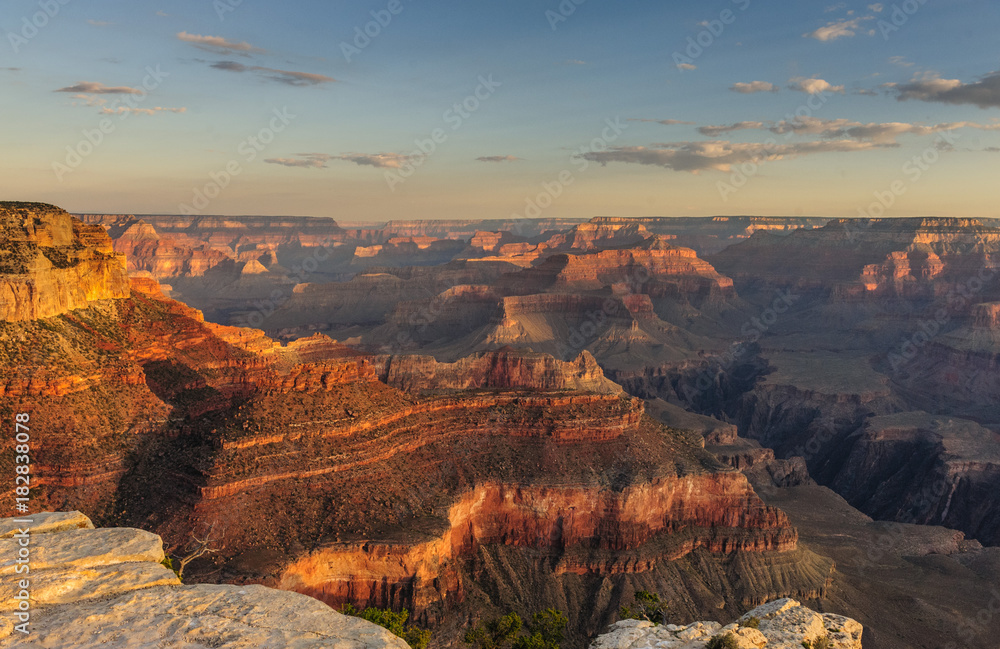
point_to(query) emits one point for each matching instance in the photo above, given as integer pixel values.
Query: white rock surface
(106, 588)
(46, 522)
(783, 624)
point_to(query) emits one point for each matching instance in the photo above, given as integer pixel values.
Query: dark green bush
(546, 630)
(647, 606)
(727, 641)
(395, 622)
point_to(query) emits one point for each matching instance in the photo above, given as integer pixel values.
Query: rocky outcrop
(108, 588)
(781, 624)
(652, 267)
(53, 263)
(502, 369)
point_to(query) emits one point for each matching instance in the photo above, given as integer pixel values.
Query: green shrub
(823, 643)
(546, 630)
(647, 606)
(395, 622)
(753, 622)
(728, 641)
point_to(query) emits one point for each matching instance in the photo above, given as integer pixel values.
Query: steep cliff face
(503, 369)
(905, 258)
(573, 529)
(53, 263)
(162, 257)
(653, 267)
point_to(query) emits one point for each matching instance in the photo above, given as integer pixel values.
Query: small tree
(394, 622)
(546, 630)
(198, 548)
(494, 634)
(647, 606)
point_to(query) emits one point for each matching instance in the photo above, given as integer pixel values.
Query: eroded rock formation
(53, 263)
(781, 624)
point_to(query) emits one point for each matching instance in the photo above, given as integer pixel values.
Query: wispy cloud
(715, 131)
(665, 122)
(687, 66)
(838, 29)
(97, 88)
(217, 43)
(885, 133)
(305, 160)
(288, 77)
(719, 155)
(320, 160)
(813, 86)
(877, 7)
(984, 93)
(753, 86)
(497, 158)
(900, 61)
(119, 110)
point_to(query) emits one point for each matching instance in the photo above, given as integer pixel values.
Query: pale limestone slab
(83, 548)
(62, 585)
(45, 523)
(189, 617)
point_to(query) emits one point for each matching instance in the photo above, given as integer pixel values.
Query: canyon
(466, 418)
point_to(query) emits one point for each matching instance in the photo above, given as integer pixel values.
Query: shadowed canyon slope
(502, 480)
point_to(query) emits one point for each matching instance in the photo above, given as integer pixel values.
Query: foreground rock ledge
(783, 624)
(106, 588)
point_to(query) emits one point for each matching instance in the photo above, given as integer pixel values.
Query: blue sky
(874, 84)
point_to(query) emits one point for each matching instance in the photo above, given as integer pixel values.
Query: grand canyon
(499, 325)
(464, 418)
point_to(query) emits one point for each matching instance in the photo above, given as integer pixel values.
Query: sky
(465, 109)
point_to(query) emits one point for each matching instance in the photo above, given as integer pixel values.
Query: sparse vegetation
(647, 606)
(753, 622)
(394, 622)
(727, 641)
(546, 630)
(823, 643)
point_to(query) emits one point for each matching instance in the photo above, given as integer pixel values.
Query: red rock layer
(588, 531)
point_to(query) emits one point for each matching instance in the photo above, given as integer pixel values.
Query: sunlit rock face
(53, 263)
